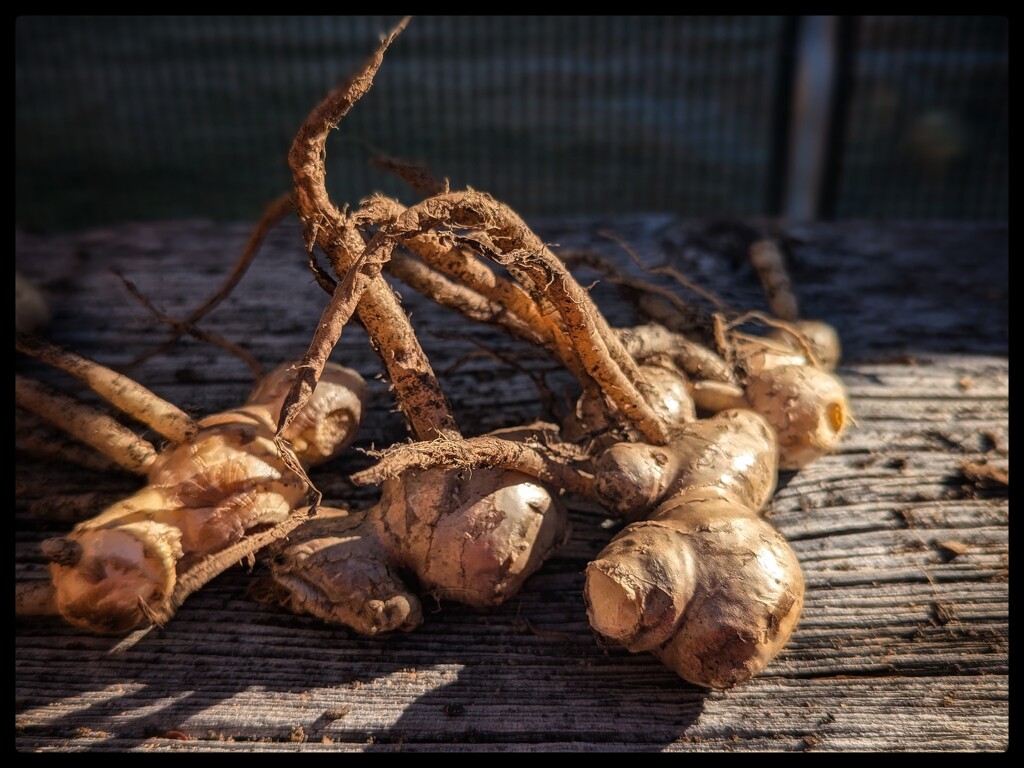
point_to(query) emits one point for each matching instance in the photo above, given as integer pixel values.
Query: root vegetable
(709, 588)
(733, 452)
(704, 584)
(473, 537)
(459, 514)
(783, 375)
(336, 568)
(209, 501)
(805, 404)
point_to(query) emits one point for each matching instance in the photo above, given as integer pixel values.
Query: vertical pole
(811, 111)
(842, 93)
(782, 107)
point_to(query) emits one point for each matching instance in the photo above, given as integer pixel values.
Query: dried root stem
(478, 221)
(272, 215)
(420, 397)
(86, 424)
(119, 390)
(534, 459)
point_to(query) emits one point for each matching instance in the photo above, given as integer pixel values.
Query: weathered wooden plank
(903, 644)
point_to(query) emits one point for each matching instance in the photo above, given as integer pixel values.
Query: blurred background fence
(129, 118)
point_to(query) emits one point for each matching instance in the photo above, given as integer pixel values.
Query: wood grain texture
(904, 641)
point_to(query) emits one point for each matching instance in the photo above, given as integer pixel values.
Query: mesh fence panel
(927, 133)
(122, 118)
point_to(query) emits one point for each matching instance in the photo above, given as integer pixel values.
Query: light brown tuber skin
(807, 405)
(472, 536)
(336, 568)
(474, 518)
(120, 570)
(704, 584)
(471, 533)
(731, 451)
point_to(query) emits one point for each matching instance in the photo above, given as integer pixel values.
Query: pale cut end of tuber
(335, 568)
(638, 587)
(807, 407)
(471, 536)
(120, 575)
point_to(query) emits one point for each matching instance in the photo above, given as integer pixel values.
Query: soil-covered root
(419, 395)
(535, 450)
(86, 424)
(336, 568)
(478, 221)
(667, 392)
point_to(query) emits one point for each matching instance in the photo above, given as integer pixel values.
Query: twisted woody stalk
(472, 537)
